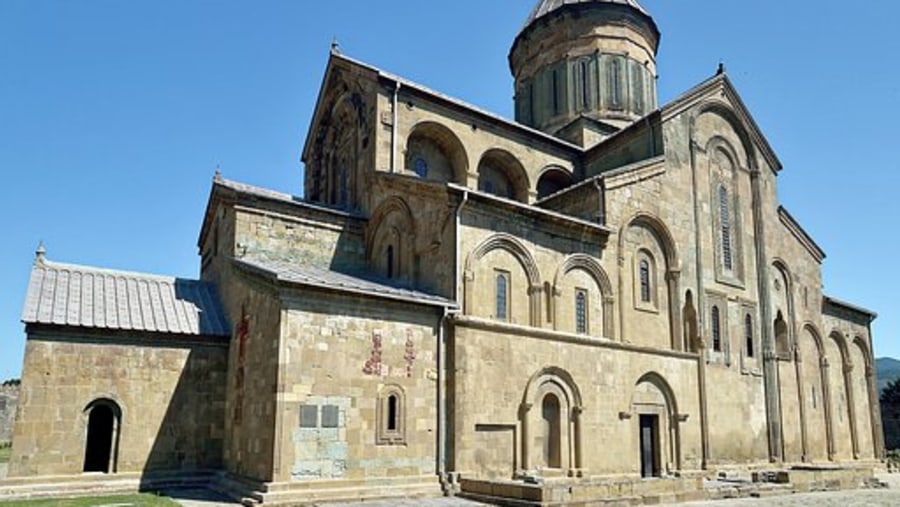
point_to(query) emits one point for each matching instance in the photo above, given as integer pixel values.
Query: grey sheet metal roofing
(87, 297)
(365, 284)
(545, 7)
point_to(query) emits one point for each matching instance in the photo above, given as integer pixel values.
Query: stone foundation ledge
(311, 493)
(60, 486)
(584, 492)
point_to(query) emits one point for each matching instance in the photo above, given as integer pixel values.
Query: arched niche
(390, 240)
(647, 233)
(811, 354)
(435, 153)
(838, 365)
(552, 180)
(655, 416)
(498, 254)
(500, 173)
(580, 272)
(550, 422)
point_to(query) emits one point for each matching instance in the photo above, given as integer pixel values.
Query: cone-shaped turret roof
(545, 7)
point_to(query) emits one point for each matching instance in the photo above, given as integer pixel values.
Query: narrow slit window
(389, 260)
(555, 92)
(392, 413)
(748, 334)
(644, 269)
(581, 302)
(725, 225)
(615, 84)
(585, 85)
(716, 329)
(501, 297)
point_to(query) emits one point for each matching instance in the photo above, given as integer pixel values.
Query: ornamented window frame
(385, 432)
(582, 311)
(727, 273)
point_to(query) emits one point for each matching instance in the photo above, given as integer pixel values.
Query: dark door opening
(98, 451)
(649, 425)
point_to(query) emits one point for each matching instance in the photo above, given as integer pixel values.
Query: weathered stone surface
(9, 399)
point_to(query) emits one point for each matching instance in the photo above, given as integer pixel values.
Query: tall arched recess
(514, 247)
(103, 424)
(606, 303)
(550, 423)
(434, 152)
(670, 275)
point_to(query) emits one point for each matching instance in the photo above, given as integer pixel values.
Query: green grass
(4, 454)
(91, 501)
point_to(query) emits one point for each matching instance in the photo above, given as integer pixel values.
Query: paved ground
(864, 498)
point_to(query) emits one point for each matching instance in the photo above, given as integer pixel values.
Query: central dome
(585, 68)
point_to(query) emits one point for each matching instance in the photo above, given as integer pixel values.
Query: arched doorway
(101, 440)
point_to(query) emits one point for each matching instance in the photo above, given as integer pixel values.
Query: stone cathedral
(600, 299)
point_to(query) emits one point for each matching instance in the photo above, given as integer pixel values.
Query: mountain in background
(887, 369)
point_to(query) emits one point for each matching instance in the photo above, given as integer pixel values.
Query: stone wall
(9, 399)
(170, 396)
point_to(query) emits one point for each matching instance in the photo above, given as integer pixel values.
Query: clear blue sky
(114, 115)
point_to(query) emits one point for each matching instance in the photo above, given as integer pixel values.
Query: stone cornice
(549, 334)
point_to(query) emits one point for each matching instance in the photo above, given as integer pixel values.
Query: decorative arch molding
(449, 144)
(660, 383)
(512, 168)
(595, 270)
(673, 417)
(666, 242)
(659, 230)
(337, 149)
(513, 246)
(724, 110)
(405, 230)
(557, 381)
(817, 338)
(720, 143)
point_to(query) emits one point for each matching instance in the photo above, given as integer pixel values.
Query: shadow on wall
(190, 437)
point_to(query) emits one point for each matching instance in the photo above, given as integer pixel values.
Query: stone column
(672, 278)
(798, 371)
(829, 410)
(851, 408)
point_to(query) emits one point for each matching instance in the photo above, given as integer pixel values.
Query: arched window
(390, 427)
(501, 297)
(725, 228)
(748, 334)
(644, 269)
(392, 413)
(581, 302)
(716, 322)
